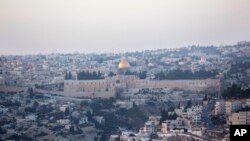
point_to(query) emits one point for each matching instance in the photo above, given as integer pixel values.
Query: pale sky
(87, 26)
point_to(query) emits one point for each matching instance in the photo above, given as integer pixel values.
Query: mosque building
(108, 87)
(123, 67)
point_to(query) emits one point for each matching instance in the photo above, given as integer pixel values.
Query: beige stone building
(107, 87)
(240, 118)
(227, 107)
(232, 106)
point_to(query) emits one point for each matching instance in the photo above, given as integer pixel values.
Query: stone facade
(106, 88)
(227, 107)
(240, 118)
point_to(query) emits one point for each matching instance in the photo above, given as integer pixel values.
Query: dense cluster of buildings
(37, 117)
(236, 112)
(38, 101)
(31, 70)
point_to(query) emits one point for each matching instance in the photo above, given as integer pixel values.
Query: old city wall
(102, 94)
(195, 85)
(106, 88)
(89, 88)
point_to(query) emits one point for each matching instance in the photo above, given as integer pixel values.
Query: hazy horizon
(95, 26)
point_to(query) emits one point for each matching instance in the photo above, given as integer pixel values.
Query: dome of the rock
(123, 64)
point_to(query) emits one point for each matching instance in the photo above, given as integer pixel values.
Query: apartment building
(227, 107)
(232, 106)
(219, 108)
(240, 118)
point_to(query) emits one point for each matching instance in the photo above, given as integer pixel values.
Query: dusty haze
(30, 26)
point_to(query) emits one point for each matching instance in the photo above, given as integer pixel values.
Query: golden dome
(123, 64)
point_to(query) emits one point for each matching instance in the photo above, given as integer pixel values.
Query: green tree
(70, 75)
(66, 76)
(84, 75)
(236, 92)
(66, 113)
(111, 74)
(31, 93)
(189, 104)
(95, 138)
(84, 103)
(142, 75)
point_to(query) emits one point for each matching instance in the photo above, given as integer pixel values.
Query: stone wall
(10, 89)
(89, 88)
(106, 88)
(194, 85)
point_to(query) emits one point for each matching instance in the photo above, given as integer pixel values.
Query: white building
(219, 107)
(63, 121)
(124, 104)
(195, 113)
(63, 107)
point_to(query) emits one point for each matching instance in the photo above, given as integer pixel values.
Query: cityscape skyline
(185, 94)
(116, 70)
(30, 27)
